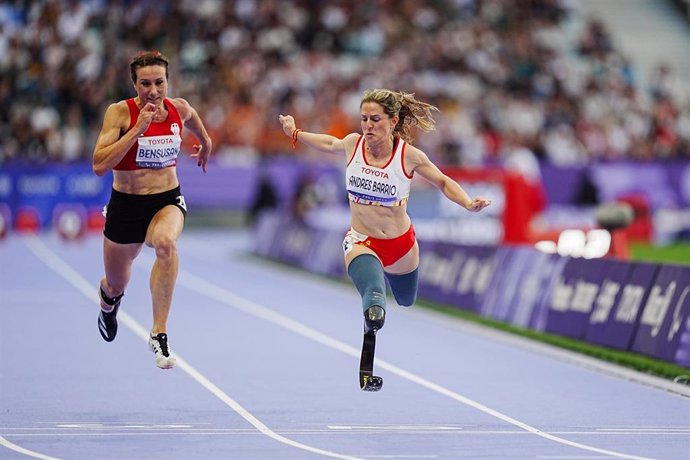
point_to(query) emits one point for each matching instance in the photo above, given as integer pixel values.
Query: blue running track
(267, 369)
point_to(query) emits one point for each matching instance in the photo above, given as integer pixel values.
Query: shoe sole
(169, 365)
(166, 366)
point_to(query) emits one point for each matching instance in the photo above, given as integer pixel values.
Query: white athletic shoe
(159, 345)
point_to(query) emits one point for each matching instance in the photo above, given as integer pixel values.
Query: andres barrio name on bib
(381, 188)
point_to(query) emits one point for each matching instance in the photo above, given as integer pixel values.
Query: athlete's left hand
(478, 204)
(201, 153)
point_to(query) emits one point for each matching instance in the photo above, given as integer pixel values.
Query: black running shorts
(127, 216)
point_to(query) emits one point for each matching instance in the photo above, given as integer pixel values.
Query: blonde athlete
(381, 162)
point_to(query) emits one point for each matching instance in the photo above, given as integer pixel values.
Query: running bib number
(181, 203)
(351, 238)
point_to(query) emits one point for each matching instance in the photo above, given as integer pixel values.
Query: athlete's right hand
(288, 124)
(478, 204)
(146, 115)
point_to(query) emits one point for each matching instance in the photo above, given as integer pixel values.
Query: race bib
(157, 152)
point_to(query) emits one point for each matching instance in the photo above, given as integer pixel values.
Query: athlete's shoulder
(183, 107)
(179, 102)
(352, 138)
(119, 106)
(349, 143)
(118, 113)
(414, 156)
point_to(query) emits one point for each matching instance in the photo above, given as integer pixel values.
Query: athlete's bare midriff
(383, 222)
(145, 181)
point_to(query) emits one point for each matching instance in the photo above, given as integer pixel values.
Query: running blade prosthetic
(367, 380)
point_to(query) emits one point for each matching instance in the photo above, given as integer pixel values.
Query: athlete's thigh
(406, 263)
(167, 224)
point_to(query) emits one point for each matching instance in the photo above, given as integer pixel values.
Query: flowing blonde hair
(412, 113)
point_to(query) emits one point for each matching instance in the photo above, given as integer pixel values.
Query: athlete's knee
(367, 275)
(165, 246)
(404, 287)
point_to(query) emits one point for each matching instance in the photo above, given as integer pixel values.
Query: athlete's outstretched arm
(450, 188)
(322, 142)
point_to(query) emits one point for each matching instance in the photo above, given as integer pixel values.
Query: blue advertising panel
(43, 187)
(293, 243)
(475, 276)
(439, 268)
(619, 306)
(326, 254)
(573, 297)
(265, 231)
(456, 275)
(542, 271)
(665, 313)
(279, 236)
(492, 299)
(540, 313)
(683, 351)
(515, 267)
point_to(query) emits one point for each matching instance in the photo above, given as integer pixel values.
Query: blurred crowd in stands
(516, 81)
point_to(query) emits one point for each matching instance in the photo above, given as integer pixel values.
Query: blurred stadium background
(551, 107)
(585, 101)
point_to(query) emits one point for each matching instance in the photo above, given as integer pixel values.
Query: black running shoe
(159, 345)
(107, 321)
(374, 318)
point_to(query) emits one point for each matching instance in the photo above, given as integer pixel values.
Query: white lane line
(253, 432)
(570, 457)
(22, 450)
(395, 427)
(400, 456)
(75, 279)
(634, 427)
(645, 430)
(208, 289)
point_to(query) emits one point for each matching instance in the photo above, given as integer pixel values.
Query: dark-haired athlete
(140, 141)
(381, 242)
